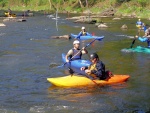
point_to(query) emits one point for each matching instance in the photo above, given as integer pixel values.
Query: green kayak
(137, 49)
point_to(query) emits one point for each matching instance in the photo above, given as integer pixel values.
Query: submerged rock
(1, 24)
(61, 37)
(14, 19)
(116, 18)
(102, 26)
(124, 26)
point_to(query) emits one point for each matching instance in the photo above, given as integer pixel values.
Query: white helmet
(83, 28)
(76, 42)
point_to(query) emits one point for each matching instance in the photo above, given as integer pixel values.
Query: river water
(28, 56)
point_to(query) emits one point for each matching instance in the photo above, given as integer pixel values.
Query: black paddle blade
(132, 43)
(70, 71)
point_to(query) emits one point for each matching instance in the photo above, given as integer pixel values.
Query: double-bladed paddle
(134, 40)
(99, 39)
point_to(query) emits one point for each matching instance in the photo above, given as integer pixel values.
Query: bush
(143, 3)
(3, 3)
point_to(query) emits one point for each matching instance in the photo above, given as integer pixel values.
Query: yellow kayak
(76, 80)
(10, 15)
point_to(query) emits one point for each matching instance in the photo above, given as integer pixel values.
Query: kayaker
(96, 69)
(9, 11)
(83, 33)
(75, 53)
(145, 38)
(139, 24)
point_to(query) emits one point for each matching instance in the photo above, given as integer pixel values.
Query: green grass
(126, 8)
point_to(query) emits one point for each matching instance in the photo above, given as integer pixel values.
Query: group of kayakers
(97, 69)
(146, 37)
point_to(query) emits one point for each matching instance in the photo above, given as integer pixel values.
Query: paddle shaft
(80, 51)
(91, 79)
(134, 40)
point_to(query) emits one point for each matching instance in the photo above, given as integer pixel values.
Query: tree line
(59, 4)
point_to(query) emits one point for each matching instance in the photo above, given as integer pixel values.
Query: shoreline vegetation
(116, 8)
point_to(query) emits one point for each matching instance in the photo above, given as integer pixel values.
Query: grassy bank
(137, 8)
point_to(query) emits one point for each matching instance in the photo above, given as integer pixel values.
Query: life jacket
(76, 57)
(93, 67)
(83, 33)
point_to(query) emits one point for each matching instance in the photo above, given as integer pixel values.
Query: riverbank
(132, 8)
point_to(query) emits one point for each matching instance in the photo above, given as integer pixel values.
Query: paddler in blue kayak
(75, 53)
(145, 38)
(83, 33)
(139, 24)
(97, 69)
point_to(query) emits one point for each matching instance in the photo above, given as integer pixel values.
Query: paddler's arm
(88, 34)
(144, 39)
(70, 52)
(78, 36)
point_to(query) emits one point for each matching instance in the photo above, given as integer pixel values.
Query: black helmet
(94, 55)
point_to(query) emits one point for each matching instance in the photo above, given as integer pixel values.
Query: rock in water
(61, 37)
(124, 26)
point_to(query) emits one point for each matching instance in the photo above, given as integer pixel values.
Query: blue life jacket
(76, 57)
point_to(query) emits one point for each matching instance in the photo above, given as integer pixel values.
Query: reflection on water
(28, 56)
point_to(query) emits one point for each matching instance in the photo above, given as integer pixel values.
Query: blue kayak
(137, 49)
(87, 37)
(75, 65)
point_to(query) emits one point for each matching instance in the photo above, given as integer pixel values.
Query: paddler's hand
(67, 60)
(82, 68)
(83, 48)
(136, 36)
(87, 71)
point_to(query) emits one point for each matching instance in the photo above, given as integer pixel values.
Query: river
(28, 56)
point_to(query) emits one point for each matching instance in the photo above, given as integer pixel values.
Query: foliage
(143, 2)
(3, 3)
(96, 6)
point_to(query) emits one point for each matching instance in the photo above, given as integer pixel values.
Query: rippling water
(28, 56)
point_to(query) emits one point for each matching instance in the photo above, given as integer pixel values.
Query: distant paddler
(145, 38)
(83, 33)
(139, 23)
(9, 13)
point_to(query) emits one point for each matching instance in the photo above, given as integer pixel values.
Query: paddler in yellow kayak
(75, 53)
(83, 33)
(139, 24)
(97, 69)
